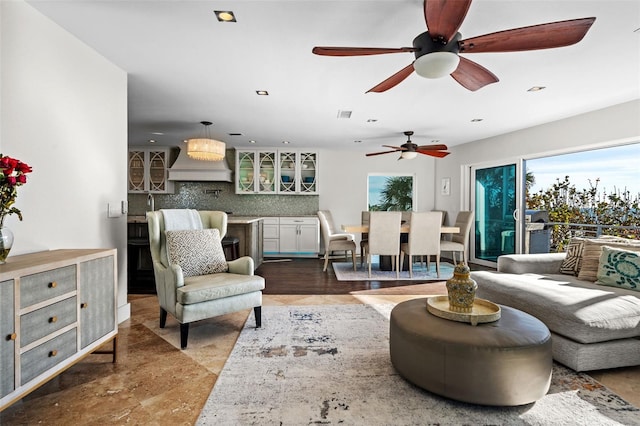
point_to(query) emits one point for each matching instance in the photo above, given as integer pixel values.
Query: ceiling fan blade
(394, 80)
(472, 76)
(397, 148)
(443, 18)
(358, 51)
(382, 152)
(439, 154)
(439, 147)
(535, 37)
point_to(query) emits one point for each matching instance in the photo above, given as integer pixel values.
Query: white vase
(6, 242)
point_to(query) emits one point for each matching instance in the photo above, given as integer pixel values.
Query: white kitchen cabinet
(148, 171)
(299, 235)
(56, 307)
(273, 171)
(256, 172)
(271, 233)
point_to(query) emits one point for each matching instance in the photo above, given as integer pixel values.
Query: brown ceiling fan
(437, 49)
(410, 150)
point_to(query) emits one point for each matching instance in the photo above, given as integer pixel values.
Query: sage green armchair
(193, 298)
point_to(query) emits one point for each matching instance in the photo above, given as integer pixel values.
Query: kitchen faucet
(151, 202)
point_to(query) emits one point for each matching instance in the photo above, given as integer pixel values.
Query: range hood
(188, 169)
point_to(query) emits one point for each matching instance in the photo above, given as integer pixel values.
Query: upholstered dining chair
(364, 237)
(333, 240)
(424, 239)
(384, 237)
(193, 279)
(459, 241)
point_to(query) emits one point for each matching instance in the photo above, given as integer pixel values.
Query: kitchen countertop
(231, 219)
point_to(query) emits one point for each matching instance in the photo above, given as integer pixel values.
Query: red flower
(24, 167)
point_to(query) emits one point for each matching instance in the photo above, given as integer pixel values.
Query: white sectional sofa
(593, 326)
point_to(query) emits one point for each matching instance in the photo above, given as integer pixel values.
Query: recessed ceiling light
(225, 15)
(157, 133)
(285, 142)
(536, 88)
(235, 134)
(262, 92)
(435, 140)
(357, 141)
(371, 120)
(252, 141)
(475, 120)
(152, 141)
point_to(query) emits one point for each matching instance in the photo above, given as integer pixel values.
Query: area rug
(329, 365)
(344, 272)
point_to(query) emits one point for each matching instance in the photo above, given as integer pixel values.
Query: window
(390, 192)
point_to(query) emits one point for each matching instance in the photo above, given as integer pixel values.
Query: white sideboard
(291, 236)
(56, 307)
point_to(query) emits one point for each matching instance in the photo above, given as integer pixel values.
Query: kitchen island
(249, 232)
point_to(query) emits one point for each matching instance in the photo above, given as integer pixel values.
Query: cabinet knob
(83, 305)
(53, 284)
(12, 336)
(53, 353)
(53, 319)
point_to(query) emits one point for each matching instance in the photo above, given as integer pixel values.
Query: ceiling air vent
(344, 114)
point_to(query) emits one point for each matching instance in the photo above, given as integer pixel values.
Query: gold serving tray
(481, 312)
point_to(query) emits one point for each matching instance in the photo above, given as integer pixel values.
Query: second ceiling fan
(436, 50)
(410, 150)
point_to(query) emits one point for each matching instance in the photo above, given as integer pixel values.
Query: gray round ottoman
(506, 362)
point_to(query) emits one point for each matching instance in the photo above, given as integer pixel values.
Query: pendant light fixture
(205, 148)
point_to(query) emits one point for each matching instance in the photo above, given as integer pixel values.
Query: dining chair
(335, 241)
(424, 239)
(459, 241)
(364, 237)
(384, 237)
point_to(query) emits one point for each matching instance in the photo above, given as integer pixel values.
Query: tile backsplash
(200, 196)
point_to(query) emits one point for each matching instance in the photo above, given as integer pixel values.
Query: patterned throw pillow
(619, 268)
(197, 251)
(591, 254)
(571, 263)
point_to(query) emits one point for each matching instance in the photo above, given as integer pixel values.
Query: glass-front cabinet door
(245, 172)
(308, 172)
(288, 175)
(267, 171)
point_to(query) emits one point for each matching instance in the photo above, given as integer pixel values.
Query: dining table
(385, 261)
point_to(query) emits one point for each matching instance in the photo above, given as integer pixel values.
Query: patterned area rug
(330, 365)
(344, 272)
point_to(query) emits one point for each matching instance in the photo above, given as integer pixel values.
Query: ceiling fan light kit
(436, 50)
(206, 149)
(436, 64)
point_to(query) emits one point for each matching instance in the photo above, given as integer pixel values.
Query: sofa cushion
(571, 263)
(217, 286)
(582, 311)
(197, 251)
(619, 268)
(591, 254)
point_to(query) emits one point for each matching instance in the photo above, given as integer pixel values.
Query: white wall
(610, 126)
(343, 181)
(64, 112)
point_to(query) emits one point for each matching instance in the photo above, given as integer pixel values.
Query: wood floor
(156, 383)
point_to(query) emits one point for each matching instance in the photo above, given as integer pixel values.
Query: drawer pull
(53, 284)
(53, 353)
(53, 319)
(12, 336)
(83, 305)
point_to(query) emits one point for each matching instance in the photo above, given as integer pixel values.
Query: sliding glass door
(496, 199)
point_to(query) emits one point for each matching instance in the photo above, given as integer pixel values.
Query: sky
(618, 169)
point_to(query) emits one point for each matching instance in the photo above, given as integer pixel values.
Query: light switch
(114, 210)
(125, 207)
